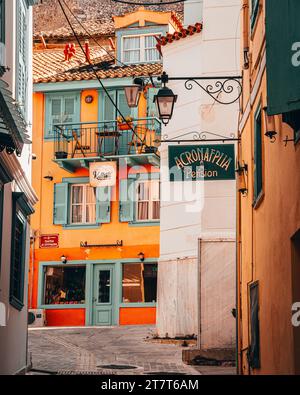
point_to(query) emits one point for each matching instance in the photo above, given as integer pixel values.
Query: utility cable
(99, 80)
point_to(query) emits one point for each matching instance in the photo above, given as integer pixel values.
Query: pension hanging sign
(202, 162)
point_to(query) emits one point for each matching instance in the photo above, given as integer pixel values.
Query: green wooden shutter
(60, 211)
(258, 172)
(126, 200)
(283, 80)
(22, 72)
(103, 210)
(151, 106)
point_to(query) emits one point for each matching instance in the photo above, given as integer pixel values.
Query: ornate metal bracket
(198, 137)
(214, 87)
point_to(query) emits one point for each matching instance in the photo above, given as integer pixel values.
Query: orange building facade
(269, 187)
(95, 244)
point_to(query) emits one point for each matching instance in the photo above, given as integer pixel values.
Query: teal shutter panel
(103, 210)
(22, 72)
(258, 170)
(126, 198)
(60, 212)
(152, 109)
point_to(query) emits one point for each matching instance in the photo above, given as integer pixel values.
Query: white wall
(208, 211)
(13, 336)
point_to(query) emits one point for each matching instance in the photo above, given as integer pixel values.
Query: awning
(13, 132)
(283, 55)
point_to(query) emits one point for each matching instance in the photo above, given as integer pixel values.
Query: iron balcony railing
(100, 139)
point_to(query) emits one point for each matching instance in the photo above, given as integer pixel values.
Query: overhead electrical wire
(96, 75)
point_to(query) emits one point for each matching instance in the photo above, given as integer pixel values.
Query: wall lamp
(242, 171)
(64, 259)
(49, 178)
(141, 256)
(270, 126)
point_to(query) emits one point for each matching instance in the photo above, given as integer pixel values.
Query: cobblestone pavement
(90, 350)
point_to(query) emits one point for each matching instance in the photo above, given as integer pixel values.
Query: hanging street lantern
(133, 94)
(165, 101)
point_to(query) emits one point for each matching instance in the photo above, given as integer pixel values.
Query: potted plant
(125, 125)
(61, 155)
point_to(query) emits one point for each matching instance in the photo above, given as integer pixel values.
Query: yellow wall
(135, 239)
(265, 233)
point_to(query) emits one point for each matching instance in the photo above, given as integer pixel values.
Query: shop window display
(139, 283)
(64, 285)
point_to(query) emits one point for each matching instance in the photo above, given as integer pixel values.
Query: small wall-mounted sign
(202, 162)
(49, 241)
(103, 174)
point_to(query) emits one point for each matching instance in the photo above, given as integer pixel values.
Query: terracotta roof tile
(182, 33)
(95, 15)
(49, 66)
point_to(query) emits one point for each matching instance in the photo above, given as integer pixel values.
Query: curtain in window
(155, 200)
(77, 203)
(90, 205)
(151, 52)
(131, 49)
(143, 201)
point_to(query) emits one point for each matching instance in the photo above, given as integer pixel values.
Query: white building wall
(13, 335)
(208, 211)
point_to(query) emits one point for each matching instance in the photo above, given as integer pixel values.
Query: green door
(103, 300)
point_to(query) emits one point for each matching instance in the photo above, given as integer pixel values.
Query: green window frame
(61, 108)
(258, 154)
(128, 198)
(21, 210)
(62, 204)
(2, 21)
(254, 12)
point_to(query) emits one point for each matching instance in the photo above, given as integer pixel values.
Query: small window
(61, 110)
(83, 204)
(258, 165)
(151, 52)
(140, 49)
(254, 12)
(139, 283)
(132, 49)
(148, 200)
(64, 285)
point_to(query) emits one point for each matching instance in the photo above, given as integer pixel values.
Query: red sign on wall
(49, 241)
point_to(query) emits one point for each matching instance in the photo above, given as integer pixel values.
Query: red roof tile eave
(154, 69)
(182, 33)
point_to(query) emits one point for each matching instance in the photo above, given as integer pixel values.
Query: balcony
(75, 145)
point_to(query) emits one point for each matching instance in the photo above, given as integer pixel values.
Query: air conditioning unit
(36, 318)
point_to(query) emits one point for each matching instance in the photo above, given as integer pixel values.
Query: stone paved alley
(91, 350)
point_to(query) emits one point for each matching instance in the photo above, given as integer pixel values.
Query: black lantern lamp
(270, 126)
(165, 101)
(141, 256)
(133, 92)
